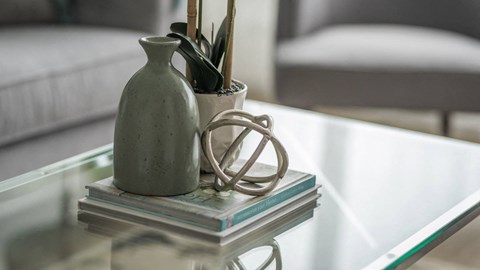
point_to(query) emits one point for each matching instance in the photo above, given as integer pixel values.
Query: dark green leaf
(181, 28)
(220, 43)
(205, 74)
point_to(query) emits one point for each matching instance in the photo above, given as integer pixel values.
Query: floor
(461, 251)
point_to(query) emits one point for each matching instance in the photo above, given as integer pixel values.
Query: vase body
(157, 136)
(210, 105)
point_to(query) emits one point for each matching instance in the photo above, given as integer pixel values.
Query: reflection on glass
(141, 247)
(52, 247)
(274, 257)
(52, 241)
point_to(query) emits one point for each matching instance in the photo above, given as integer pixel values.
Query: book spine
(268, 203)
(160, 203)
(159, 215)
(198, 220)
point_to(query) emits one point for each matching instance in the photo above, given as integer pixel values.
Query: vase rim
(159, 41)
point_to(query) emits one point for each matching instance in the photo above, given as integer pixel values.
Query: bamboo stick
(192, 19)
(228, 59)
(191, 29)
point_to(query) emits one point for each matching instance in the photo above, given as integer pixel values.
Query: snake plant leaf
(206, 75)
(181, 28)
(220, 43)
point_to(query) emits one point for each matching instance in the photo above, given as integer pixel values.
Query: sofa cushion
(23, 11)
(355, 65)
(152, 16)
(299, 17)
(462, 16)
(384, 47)
(57, 76)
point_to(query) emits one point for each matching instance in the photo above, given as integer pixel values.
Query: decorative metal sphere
(226, 179)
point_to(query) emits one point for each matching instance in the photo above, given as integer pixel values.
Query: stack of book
(214, 216)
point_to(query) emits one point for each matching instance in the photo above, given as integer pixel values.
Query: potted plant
(209, 71)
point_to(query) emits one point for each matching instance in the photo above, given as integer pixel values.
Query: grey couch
(416, 54)
(63, 65)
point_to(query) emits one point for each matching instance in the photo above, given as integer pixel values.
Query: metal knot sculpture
(227, 179)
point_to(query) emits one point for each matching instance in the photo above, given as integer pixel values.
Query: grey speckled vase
(157, 136)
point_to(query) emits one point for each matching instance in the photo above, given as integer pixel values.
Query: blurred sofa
(63, 66)
(414, 54)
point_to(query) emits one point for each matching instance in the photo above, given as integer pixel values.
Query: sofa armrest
(299, 17)
(150, 16)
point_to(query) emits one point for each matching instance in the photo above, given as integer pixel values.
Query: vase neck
(159, 50)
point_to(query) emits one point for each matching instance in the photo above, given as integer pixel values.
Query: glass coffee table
(388, 197)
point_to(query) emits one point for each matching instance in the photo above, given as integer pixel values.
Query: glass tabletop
(388, 197)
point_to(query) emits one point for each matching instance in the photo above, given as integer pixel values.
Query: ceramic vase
(157, 135)
(210, 105)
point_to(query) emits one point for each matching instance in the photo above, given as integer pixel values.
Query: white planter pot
(210, 105)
